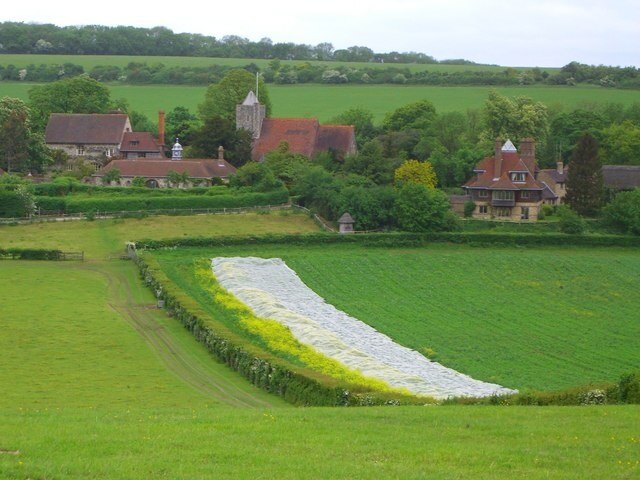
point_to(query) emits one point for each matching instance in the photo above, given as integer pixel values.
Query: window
(525, 194)
(518, 177)
(109, 152)
(79, 150)
(503, 195)
(483, 209)
(524, 213)
(503, 212)
(483, 193)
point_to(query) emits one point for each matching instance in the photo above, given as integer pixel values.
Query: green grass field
(91, 61)
(96, 383)
(102, 238)
(326, 101)
(542, 319)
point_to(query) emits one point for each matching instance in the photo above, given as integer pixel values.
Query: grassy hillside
(529, 319)
(327, 101)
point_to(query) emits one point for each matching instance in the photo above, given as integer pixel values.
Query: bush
(469, 208)
(570, 222)
(16, 202)
(423, 209)
(623, 213)
(629, 388)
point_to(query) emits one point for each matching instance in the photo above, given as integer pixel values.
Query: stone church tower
(250, 114)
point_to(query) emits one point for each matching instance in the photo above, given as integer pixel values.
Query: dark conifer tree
(584, 182)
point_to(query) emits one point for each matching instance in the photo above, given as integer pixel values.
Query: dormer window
(519, 177)
(133, 143)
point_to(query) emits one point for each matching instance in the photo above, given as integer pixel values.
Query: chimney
(161, 127)
(220, 152)
(560, 167)
(528, 148)
(497, 163)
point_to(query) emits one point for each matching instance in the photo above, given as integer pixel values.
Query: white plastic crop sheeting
(272, 290)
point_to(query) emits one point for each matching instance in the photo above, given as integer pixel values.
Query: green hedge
(405, 240)
(30, 254)
(296, 385)
(84, 204)
(61, 189)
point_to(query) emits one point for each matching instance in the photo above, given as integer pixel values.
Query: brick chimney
(497, 159)
(560, 167)
(161, 127)
(528, 153)
(220, 152)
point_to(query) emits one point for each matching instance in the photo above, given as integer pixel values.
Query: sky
(545, 33)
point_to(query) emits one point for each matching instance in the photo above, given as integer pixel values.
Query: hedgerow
(30, 254)
(99, 203)
(300, 386)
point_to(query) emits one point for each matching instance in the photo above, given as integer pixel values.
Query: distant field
(326, 101)
(528, 319)
(90, 61)
(107, 237)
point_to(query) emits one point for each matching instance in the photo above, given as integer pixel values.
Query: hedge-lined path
(180, 354)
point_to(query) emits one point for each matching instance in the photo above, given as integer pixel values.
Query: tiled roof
(196, 168)
(510, 161)
(139, 142)
(304, 136)
(554, 175)
(622, 177)
(86, 129)
(340, 138)
(299, 133)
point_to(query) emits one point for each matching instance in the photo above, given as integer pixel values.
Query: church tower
(250, 114)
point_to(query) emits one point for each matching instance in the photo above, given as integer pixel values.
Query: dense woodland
(21, 38)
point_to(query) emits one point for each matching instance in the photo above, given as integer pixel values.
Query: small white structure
(346, 223)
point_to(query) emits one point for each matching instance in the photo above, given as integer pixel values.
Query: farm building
(303, 135)
(156, 172)
(506, 185)
(95, 137)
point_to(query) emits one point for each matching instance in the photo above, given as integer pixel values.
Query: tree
(422, 209)
(111, 176)
(416, 115)
(176, 178)
(361, 118)
(413, 171)
(180, 123)
(216, 132)
(514, 118)
(623, 212)
(20, 148)
(570, 222)
(584, 181)
(285, 164)
(255, 175)
(621, 144)
(221, 99)
(72, 95)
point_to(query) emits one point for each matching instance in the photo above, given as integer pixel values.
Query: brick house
(304, 135)
(505, 186)
(556, 180)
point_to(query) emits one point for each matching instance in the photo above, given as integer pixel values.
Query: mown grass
(542, 318)
(371, 443)
(100, 238)
(326, 101)
(91, 61)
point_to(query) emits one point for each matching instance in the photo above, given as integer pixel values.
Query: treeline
(305, 72)
(18, 37)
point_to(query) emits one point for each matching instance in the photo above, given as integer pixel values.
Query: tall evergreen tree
(584, 182)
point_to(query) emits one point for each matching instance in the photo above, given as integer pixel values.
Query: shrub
(570, 222)
(17, 202)
(623, 213)
(629, 388)
(422, 209)
(469, 208)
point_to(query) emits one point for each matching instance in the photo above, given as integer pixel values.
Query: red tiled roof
(139, 142)
(196, 168)
(304, 136)
(510, 162)
(86, 129)
(299, 133)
